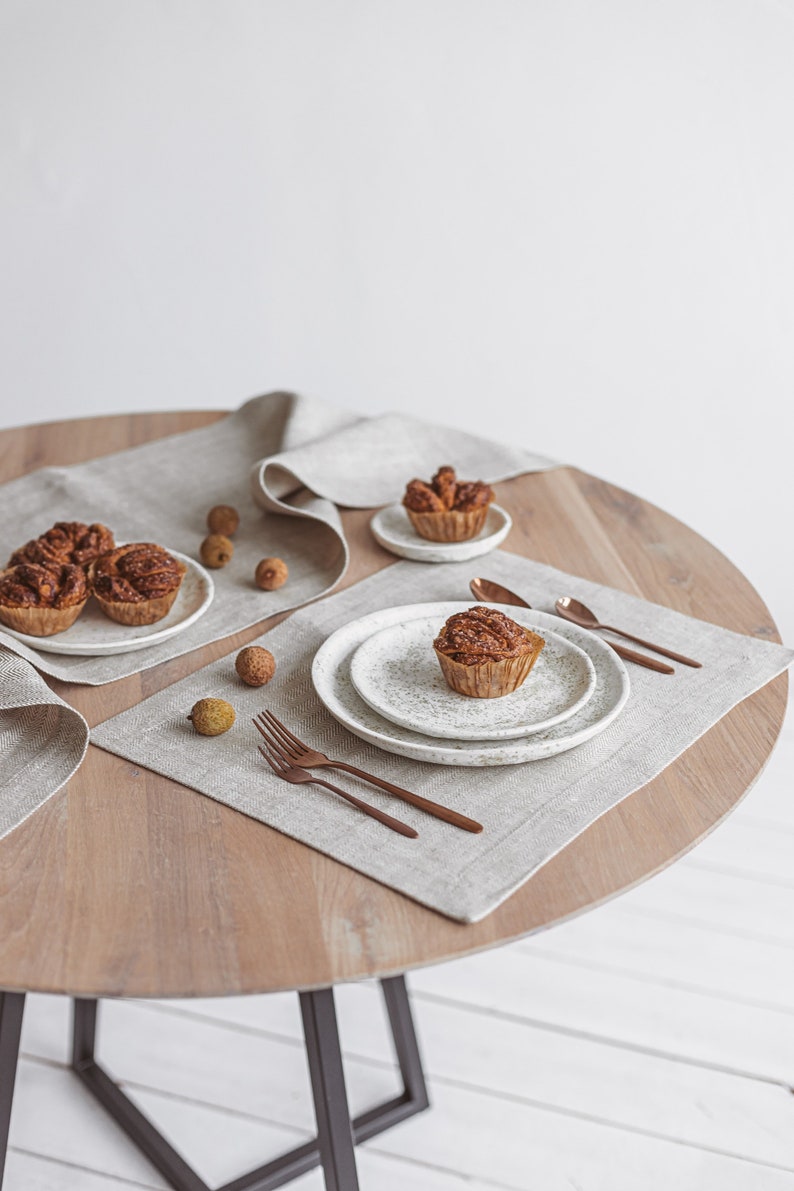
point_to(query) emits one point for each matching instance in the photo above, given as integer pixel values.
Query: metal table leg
(334, 1127)
(11, 1009)
(337, 1134)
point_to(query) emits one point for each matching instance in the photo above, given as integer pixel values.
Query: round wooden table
(164, 893)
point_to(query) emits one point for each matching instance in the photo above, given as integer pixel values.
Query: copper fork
(293, 773)
(300, 753)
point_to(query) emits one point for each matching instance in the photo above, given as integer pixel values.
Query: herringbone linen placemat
(277, 454)
(529, 811)
(42, 741)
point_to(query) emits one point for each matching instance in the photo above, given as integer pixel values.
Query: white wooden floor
(647, 1045)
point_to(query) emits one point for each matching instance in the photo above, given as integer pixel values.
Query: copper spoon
(579, 613)
(487, 590)
(494, 593)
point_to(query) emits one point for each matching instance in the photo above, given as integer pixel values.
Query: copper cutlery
(487, 590)
(293, 773)
(579, 613)
(300, 754)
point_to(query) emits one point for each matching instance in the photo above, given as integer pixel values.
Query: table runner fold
(529, 811)
(280, 453)
(42, 741)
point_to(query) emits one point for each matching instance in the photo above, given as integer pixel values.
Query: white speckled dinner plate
(392, 528)
(94, 635)
(397, 673)
(334, 686)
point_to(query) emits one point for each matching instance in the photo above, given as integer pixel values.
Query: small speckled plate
(397, 673)
(392, 528)
(334, 686)
(95, 635)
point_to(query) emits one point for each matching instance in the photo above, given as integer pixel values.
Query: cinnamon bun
(42, 600)
(446, 509)
(137, 583)
(485, 654)
(67, 542)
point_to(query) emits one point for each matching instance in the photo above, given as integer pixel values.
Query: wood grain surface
(127, 884)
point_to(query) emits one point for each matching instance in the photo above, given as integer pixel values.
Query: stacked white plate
(380, 678)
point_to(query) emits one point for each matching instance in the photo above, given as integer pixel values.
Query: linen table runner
(42, 741)
(279, 453)
(529, 811)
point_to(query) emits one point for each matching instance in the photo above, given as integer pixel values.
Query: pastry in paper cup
(446, 509)
(484, 654)
(42, 601)
(71, 542)
(137, 583)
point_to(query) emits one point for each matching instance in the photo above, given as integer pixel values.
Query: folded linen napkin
(279, 453)
(42, 741)
(530, 811)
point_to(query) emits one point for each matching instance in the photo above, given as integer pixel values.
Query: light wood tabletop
(160, 892)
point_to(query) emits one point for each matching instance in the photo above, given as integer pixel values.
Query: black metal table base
(337, 1134)
(11, 1007)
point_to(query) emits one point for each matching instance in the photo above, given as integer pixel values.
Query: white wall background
(568, 222)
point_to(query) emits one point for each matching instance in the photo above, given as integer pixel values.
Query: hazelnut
(216, 550)
(211, 717)
(271, 573)
(223, 519)
(255, 665)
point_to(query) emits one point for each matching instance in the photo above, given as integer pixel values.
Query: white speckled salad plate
(334, 686)
(397, 673)
(391, 527)
(95, 635)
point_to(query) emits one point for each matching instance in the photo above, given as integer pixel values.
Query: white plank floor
(648, 1044)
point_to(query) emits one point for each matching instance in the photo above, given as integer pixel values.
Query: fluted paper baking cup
(491, 679)
(449, 526)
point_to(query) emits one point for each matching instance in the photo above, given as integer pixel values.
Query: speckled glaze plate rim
(435, 710)
(194, 598)
(334, 688)
(403, 540)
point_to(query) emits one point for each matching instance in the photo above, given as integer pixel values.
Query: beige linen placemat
(42, 741)
(529, 811)
(280, 453)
